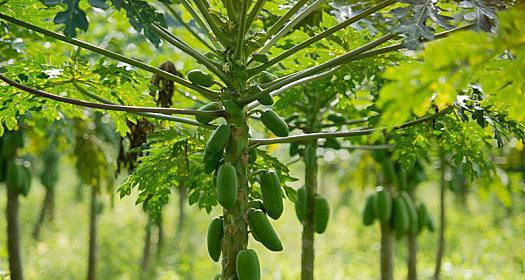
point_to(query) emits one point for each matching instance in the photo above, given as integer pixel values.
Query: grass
(483, 242)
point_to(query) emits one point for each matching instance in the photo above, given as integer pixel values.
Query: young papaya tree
(241, 36)
(16, 174)
(95, 167)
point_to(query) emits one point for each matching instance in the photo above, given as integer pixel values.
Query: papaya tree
(95, 167)
(16, 174)
(241, 37)
(50, 156)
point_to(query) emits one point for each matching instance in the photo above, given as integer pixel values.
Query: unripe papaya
(25, 179)
(401, 221)
(294, 149)
(227, 185)
(332, 143)
(266, 77)
(412, 213)
(247, 265)
(274, 123)
(300, 204)
(233, 109)
(336, 118)
(252, 153)
(215, 233)
(321, 214)
(422, 216)
(264, 230)
(266, 99)
(368, 212)
(272, 194)
(211, 160)
(200, 78)
(218, 138)
(256, 204)
(213, 106)
(383, 205)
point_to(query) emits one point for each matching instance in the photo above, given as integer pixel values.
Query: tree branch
(191, 30)
(205, 92)
(197, 18)
(254, 12)
(148, 115)
(242, 29)
(192, 52)
(211, 21)
(112, 107)
(351, 133)
(256, 103)
(280, 23)
(319, 68)
(325, 34)
(290, 25)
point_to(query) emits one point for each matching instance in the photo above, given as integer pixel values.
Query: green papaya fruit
(321, 214)
(200, 78)
(422, 216)
(332, 143)
(254, 235)
(252, 154)
(294, 149)
(401, 220)
(272, 194)
(412, 213)
(247, 265)
(300, 204)
(264, 230)
(430, 224)
(215, 233)
(25, 184)
(260, 57)
(274, 123)
(211, 160)
(218, 138)
(256, 204)
(336, 118)
(383, 205)
(227, 185)
(368, 212)
(233, 109)
(266, 99)
(266, 77)
(213, 106)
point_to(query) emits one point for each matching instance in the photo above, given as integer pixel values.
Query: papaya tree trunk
(308, 237)
(183, 194)
(144, 265)
(412, 248)
(235, 219)
(442, 222)
(92, 259)
(412, 256)
(387, 251)
(13, 234)
(47, 211)
(160, 234)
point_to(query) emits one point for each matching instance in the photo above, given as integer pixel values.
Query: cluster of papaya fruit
(401, 211)
(14, 171)
(321, 210)
(260, 227)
